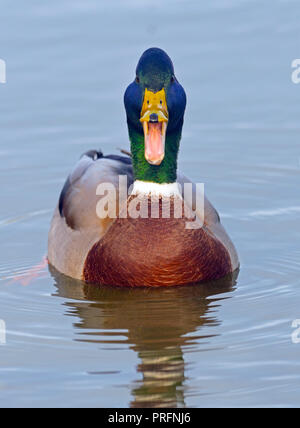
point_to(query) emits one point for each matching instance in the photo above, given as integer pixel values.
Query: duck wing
(78, 199)
(75, 226)
(210, 218)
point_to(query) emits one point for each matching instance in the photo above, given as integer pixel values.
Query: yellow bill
(154, 117)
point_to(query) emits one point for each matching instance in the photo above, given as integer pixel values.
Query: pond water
(227, 343)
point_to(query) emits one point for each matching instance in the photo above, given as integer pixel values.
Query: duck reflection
(159, 324)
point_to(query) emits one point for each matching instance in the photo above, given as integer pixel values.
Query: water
(222, 344)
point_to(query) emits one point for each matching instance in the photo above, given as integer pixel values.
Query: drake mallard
(140, 250)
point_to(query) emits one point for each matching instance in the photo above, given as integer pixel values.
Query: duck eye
(147, 101)
(137, 79)
(172, 79)
(160, 101)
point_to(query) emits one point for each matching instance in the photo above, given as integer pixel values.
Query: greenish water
(223, 344)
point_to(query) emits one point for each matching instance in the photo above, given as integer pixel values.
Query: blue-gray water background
(68, 64)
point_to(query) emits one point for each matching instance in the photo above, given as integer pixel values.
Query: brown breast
(156, 252)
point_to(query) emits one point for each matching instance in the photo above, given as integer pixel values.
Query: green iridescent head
(155, 104)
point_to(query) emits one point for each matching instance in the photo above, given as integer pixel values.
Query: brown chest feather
(155, 252)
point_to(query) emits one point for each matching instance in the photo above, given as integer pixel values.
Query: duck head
(155, 104)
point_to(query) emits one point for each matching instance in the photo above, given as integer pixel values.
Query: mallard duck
(125, 249)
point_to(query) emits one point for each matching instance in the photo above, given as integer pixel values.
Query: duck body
(155, 252)
(151, 234)
(133, 251)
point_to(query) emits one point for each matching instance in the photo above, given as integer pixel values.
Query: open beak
(154, 117)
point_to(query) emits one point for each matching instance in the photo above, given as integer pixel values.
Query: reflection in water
(159, 324)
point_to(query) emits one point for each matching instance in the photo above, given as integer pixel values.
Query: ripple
(260, 214)
(24, 274)
(17, 219)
